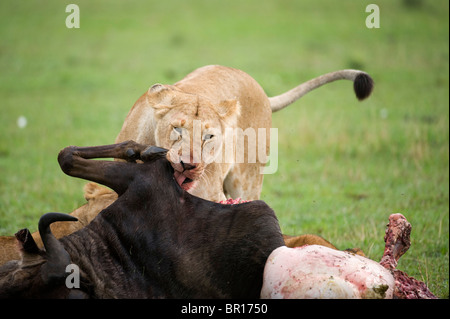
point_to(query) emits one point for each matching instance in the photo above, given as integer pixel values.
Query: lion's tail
(362, 84)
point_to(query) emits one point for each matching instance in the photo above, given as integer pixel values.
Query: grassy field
(344, 165)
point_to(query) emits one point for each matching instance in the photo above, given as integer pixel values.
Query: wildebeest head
(40, 273)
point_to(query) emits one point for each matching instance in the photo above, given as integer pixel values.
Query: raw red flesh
(397, 243)
(231, 201)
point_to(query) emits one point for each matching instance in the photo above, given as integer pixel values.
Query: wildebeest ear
(229, 110)
(152, 153)
(26, 242)
(29, 251)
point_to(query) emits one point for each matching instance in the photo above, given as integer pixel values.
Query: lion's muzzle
(186, 174)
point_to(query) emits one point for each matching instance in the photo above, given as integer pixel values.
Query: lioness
(191, 117)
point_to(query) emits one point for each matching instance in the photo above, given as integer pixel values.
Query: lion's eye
(177, 130)
(175, 135)
(208, 137)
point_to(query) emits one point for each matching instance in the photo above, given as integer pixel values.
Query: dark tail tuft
(363, 86)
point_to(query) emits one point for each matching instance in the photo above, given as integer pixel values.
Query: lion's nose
(187, 166)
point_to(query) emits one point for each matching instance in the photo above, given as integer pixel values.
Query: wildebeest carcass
(155, 241)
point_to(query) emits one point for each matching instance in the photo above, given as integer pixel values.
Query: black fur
(363, 86)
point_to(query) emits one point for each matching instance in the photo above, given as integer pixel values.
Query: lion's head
(191, 128)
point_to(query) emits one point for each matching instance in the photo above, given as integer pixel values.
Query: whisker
(204, 177)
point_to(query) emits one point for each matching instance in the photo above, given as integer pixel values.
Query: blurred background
(344, 165)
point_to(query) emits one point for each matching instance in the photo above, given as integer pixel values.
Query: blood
(231, 201)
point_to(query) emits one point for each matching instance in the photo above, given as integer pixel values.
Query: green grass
(344, 166)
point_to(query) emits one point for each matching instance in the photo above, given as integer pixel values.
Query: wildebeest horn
(57, 256)
(153, 152)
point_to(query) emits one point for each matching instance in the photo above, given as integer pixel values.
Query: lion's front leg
(209, 186)
(244, 181)
(211, 190)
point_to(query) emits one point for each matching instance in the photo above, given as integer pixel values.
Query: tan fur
(309, 239)
(97, 197)
(9, 249)
(281, 101)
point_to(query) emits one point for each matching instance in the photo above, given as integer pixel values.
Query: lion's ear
(157, 88)
(159, 93)
(159, 99)
(229, 110)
